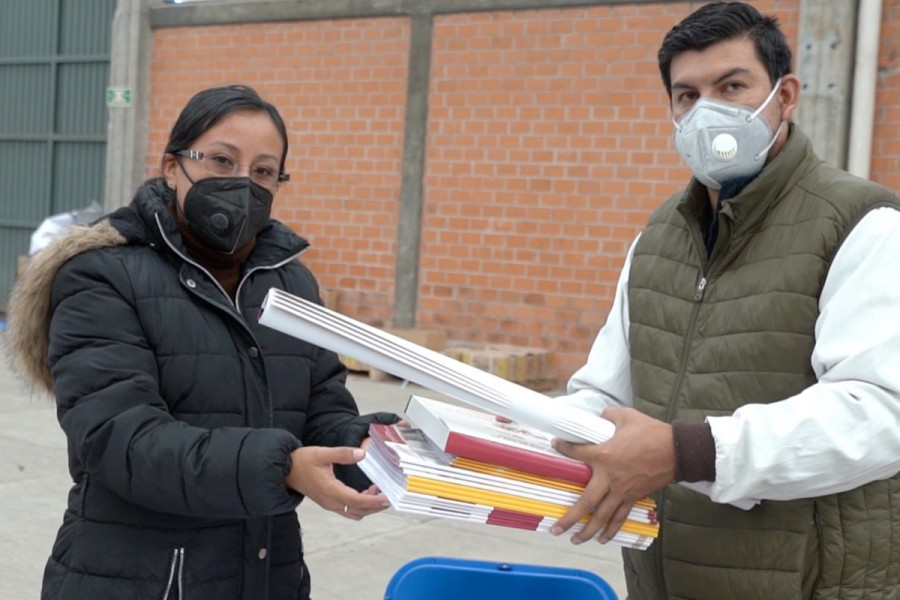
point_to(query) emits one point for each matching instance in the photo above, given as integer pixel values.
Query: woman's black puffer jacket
(180, 410)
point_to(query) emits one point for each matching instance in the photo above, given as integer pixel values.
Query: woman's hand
(312, 474)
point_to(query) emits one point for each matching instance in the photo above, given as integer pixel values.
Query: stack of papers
(419, 477)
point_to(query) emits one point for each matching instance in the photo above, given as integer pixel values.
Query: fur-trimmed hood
(28, 322)
(28, 312)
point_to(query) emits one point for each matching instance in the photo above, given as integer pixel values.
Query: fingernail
(576, 541)
(358, 453)
(555, 530)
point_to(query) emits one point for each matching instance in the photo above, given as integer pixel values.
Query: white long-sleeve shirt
(836, 435)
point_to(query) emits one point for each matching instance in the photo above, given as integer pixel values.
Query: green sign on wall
(118, 97)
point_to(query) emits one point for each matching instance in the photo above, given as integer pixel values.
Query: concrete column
(409, 220)
(824, 62)
(127, 101)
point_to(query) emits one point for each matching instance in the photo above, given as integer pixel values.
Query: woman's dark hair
(208, 107)
(721, 21)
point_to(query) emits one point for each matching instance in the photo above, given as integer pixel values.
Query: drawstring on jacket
(177, 564)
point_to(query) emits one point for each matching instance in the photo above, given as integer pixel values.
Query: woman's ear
(170, 170)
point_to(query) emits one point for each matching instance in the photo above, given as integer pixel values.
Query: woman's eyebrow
(237, 150)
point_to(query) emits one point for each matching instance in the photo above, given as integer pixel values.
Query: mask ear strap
(755, 114)
(763, 106)
(771, 143)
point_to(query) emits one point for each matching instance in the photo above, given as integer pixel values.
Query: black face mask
(227, 212)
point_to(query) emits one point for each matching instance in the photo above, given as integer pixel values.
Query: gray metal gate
(54, 67)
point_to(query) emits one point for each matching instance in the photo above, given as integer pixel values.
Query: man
(751, 359)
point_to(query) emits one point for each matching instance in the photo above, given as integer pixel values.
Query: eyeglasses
(221, 165)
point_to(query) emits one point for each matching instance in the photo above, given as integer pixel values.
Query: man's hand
(638, 460)
(312, 474)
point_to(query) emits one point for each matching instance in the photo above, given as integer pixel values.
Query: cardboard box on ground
(433, 339)
(527, 366)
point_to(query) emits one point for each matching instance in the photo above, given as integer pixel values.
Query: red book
(380, 434)
(477, 435)
(511, 518)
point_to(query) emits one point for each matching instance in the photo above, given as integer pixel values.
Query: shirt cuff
(695, 452)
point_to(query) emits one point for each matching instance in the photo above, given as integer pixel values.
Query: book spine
(509, 518)
(516, 458)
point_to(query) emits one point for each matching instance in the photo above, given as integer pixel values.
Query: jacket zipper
(237, 294)
(176, 566)
(237, 304)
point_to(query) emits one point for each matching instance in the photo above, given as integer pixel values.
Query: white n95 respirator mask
(720, 141)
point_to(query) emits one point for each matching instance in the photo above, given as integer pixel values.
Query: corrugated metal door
(54, 68)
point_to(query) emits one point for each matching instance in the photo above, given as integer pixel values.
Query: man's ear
(788, 95)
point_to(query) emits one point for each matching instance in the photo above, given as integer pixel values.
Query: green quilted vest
(709, 335)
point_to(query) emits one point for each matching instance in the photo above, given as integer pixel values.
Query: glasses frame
(200, 155)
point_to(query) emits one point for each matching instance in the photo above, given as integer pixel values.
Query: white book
(339, 333)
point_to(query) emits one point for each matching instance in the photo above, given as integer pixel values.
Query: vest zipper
(670, 410)
(176, 566)
(706, 269)
(701, 285)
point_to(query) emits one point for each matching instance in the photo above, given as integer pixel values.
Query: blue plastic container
(437, 578)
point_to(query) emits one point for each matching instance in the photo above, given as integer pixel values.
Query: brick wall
(548, 146)
(886, 144)
(341, 88)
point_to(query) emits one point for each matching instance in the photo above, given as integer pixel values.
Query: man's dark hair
(208, 107)
(721, 21)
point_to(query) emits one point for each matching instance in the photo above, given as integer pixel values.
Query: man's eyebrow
(731, 73)
(678, 85)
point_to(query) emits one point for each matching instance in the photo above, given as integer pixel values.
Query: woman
(193, 432)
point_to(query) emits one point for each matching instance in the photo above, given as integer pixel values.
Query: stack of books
(464, 464)
(421, 471)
